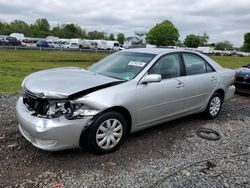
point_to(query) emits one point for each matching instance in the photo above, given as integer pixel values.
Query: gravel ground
(168, 155)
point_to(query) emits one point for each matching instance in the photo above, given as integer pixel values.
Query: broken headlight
(70, 111)
(58, 109)
(82, 110)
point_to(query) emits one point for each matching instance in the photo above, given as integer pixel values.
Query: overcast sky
(221, 19)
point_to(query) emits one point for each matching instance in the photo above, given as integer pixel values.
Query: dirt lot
(168, 155)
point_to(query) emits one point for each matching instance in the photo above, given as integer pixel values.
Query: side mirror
(150, 78)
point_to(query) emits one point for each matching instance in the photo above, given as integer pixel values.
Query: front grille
(240, 85)
(243, 79)
(33, 103)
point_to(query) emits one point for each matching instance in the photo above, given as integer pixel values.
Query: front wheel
(214, 106)
(107, 133)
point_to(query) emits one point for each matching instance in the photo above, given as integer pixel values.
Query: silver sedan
(125, 92)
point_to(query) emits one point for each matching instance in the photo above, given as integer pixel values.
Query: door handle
(213, 78)
(180, 85)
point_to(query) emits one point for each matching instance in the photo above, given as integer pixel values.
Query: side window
(209, 68)
(167, 66)
(194, 64)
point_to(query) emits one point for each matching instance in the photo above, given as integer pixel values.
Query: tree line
(162, 34)
(166, 34)
(41, 29)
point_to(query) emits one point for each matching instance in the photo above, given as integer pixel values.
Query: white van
(113, 45)
(73, 43)
(89, 44)
(101, 44)
(18, 36)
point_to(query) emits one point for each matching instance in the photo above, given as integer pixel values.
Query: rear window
(194, 64)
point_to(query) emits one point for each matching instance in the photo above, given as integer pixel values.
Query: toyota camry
(125, 92)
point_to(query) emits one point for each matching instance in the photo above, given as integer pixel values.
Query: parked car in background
(242, 80)
(42, 43)
(28, 42)
(51, 44)
(10, 41)
(88, 44)
(59, 44)
(74, 43)
(1, 40)
(125, 92)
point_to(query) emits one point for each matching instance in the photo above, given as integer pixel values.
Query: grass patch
(231, 61)
(48, 56)
(16, 65)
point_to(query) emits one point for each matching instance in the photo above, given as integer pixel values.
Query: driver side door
(158, 101)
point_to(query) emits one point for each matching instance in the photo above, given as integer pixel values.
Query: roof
(152, 50)
(158, 51)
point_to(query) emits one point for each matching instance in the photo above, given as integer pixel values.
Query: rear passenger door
(199, 82)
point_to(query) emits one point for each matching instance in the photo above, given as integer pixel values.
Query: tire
(214, 106)
(106, 133)
(208, 134)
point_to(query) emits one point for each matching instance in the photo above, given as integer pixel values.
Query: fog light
(47, 143)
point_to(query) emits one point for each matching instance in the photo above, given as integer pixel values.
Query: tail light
(235, 77)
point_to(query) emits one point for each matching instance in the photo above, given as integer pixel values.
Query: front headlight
(58, 109)
(70, 110)
(82, 110)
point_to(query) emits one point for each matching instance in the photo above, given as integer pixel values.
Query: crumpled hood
(63, 82)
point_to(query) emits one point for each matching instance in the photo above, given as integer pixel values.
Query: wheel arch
(122, 110)
(221, 92)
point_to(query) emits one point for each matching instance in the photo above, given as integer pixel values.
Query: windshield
(122, 65)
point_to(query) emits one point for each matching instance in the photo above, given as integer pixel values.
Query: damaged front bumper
(50, 134)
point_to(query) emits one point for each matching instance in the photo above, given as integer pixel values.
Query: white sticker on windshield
(136, 63)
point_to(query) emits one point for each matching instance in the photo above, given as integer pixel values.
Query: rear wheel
(107, 133)
(214, 106)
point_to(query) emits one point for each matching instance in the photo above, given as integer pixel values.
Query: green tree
(180, 43)
(96, 35)
(225, 45)
(111, 36)
(42, 24)
(72, 31)
(192, 41)
(57, 31)
(204, 39)
(19, 26)
(40, 28)
(246, 45)
(120, 38)
(34, 31)
(4, 28)
(163, 34)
